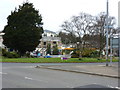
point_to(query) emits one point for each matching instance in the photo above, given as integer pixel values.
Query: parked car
(47, 56)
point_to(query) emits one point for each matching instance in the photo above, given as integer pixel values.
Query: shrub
(28, 55)
(90, 53)
(4, 52)
(55, 50)
(75, 54)
(86, 52)
(0, 51)
(15, 55)
(9, 54)
(12, 55)
(94, 54)
(80, 58)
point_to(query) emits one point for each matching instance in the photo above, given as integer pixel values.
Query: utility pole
(107, 36)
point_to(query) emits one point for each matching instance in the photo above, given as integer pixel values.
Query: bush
(55, 50)
(28, 55)
(74, 56)
(90, 53)
(9, 54)
(0, 51)
(94, 54)
(80, 58)
(87, 52)
(4, 52)
(12, 55)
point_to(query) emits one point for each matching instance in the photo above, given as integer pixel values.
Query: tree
(67, 38)
(48, 48)
(24, 29)
(89, 30)
(55, 50)
(79, 26)
(100, 29)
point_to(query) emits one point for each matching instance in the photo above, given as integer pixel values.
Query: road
(24, 75)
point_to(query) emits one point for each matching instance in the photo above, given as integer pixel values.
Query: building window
(54, 42)
(51, 35)
(45, 35)
(44, 43)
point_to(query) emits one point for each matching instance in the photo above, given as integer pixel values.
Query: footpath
(92, 69)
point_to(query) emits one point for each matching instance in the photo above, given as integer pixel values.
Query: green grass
(52, 60)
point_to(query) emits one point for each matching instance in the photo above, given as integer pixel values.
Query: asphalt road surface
(24, 75)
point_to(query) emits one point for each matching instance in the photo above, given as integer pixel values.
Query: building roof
(51, 39)
(48, 31)
(1, 33)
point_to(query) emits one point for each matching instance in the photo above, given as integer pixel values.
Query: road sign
(115, 42)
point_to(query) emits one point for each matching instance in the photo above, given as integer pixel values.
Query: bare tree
(89, 29)
(100, 29)
(79, 26)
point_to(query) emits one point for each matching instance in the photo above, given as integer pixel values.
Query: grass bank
(52, 60)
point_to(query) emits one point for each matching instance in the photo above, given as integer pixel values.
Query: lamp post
(111, 54)
(119, 45)
(107, 36)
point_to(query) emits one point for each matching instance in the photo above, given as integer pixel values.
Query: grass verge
(53, 60)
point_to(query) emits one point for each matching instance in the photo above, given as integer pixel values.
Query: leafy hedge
(10, 54)
(86, 53)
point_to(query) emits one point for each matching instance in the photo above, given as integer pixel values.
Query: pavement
(92, 69)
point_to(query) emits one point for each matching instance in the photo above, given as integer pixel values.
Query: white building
(48, 33)
(1, 40)
(48, 37)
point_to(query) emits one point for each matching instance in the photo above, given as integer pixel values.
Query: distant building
(49, 37)
(1, 40)
(48, 33)
(115, 44)
(50, 40)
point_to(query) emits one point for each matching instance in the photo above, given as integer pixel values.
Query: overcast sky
(55, 12)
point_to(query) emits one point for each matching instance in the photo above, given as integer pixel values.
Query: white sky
(55, 12)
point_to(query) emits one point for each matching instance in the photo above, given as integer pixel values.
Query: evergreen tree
(23, 30)
(55, 50)
(49, 48)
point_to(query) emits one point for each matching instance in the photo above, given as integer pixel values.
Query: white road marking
(118, 88)
(28, 78)
(2, 73)
(35, 80)
(94, 83)
(111, 86)
(69, 86)
(43, 81)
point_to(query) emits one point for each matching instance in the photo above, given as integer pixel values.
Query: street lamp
(119, 43)
(111, 42)
(107, 36)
